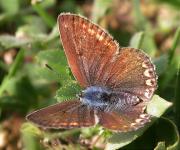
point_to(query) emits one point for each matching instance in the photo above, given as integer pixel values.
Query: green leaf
(8, 41)
(10, 6)
(90, 131)
(68, 91)
(33, 29)
(54, 33)
(136, 40)
(30, 128)
(119, 140)
(57, 61)
(160, 146)
(148, 44)
(162, 131)
(41, 75)
(144, 41)
(44, 75)
(29, 137)
(18, 93)
(167, 132)
(156, 107)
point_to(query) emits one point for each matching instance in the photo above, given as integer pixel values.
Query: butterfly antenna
(54, 71)
(49, 67)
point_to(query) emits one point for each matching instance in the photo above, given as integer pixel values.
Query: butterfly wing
(124, 121)
(87, 47)
(96, 59)
(69, 114)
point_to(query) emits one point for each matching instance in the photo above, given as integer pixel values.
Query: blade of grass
(177, 98)
(172, 64)
(140, 19)
(148, 44)
(174, 46)
(99, 9)
(17, 62)
(140, 40)
(137, 39)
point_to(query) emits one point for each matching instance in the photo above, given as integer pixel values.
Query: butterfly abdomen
(123, 101)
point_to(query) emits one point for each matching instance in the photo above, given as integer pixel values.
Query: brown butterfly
(118, 81)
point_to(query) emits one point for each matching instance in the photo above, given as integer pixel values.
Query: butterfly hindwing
(123, 121)
(131, 71)
(125, 112)
(68, 114)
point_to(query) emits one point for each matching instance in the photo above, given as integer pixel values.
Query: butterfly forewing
(69, 114)
(88, 48)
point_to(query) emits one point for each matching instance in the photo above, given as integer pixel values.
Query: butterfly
(117, 82)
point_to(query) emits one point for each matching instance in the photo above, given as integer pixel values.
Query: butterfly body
(118, 82)
(104, 99)
(96, 97)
